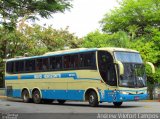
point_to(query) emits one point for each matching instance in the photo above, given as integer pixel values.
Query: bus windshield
(128, 57)
(134, 70)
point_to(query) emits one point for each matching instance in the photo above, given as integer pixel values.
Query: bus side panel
(107, 95)
(13, 92)
(75, 95)
(54, 94)
(63, 94)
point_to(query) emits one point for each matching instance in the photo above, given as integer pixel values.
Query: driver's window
(107, 68)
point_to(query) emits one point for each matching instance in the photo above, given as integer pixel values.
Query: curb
(3, 97)
(150, 101)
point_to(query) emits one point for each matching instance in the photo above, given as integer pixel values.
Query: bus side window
(19, 66)
(58, 63)
(38, 64)
(71, 61)
(29, 65)
(87, 60)
(74, 61)
(10, 67)
(55, 63)
(81, 60)
(66, 61)
(52, 63)
(45, 63)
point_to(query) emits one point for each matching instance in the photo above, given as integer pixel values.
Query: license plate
(136, 98)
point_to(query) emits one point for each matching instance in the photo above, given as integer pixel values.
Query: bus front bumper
(130, 97)
(119, 96)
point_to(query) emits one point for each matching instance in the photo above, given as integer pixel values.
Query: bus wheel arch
(36, 95)
(92, 96)
(25, 94)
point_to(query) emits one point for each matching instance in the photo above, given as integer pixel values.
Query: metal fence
(2, 91)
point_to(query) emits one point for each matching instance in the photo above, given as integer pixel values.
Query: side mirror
(121, 67)
(152, 66)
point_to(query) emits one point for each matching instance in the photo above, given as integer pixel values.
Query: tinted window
(56, 63)
(42, 64)
(87, 60)
(70, 61)
(19, 66)
(107, 68)
(29, 65)
(10, 67)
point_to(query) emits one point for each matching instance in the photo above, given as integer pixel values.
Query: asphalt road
(17, 106)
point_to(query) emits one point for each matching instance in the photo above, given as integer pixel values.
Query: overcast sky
(83, 17)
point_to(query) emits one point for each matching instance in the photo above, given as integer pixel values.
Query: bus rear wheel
(36, 97)
(117, 104)
(61, 102)
(25, 96)
(93, 99)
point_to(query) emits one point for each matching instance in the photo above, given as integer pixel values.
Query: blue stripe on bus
(27, 77)
(11, 77)
(49, 76)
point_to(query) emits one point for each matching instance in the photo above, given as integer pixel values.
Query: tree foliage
(33, 40)
(131, 13)
(98, 39)
(17, 38)
(134, 24)
(13, 10)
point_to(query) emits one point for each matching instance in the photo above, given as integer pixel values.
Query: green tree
(95, 39)
(35, 40)
(13, 10)
(14, 13)
(134, 24)
(51, 38)
(140, 13)
(98, 39)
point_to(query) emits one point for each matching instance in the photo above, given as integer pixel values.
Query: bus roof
(72, 51)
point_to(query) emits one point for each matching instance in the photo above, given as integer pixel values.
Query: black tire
(37, 97)
(61, 102)
(93, 99)
(117, 104)
(25, 96)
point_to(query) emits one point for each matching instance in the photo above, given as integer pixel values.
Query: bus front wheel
(93, 99)
(37, 97)
(117, 104)
(25, 96)
(61, 101)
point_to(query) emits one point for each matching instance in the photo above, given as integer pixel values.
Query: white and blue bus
(95, 75)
